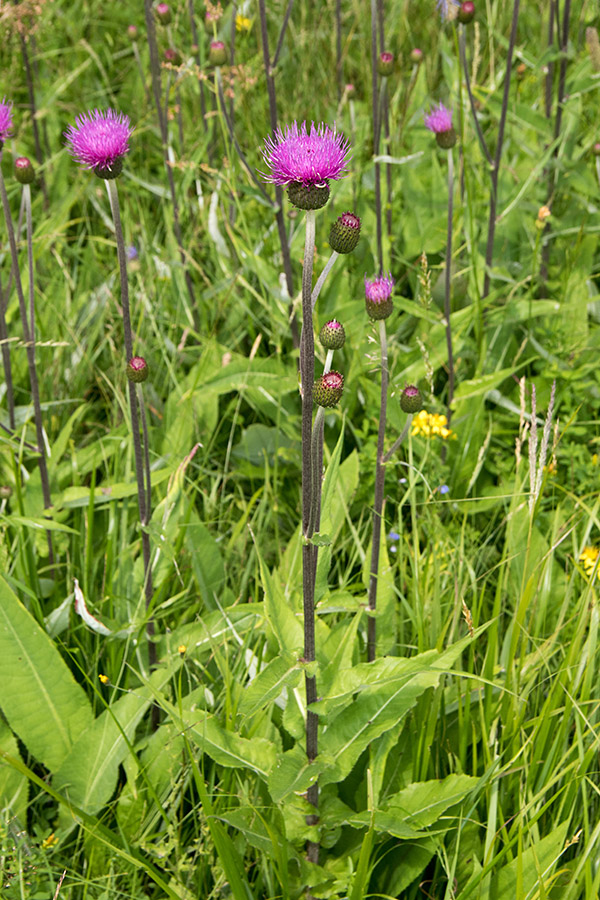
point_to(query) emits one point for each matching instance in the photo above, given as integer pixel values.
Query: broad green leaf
(293, 773)
(13, 784)
(88, 775)
(282, 672)
(532, 869)
(286, 626)
(41, 700)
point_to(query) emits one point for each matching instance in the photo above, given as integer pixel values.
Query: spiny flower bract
(6, 121)
(310, 157)
(379, 289)
(99, 139)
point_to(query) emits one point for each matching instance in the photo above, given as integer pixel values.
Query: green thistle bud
(385, 64)
(137, 369)
(345, 233)
(327, 390)
(24, 171)
(163, 13)
(466, 13)
(217, 55)
(411, 399)
(308, 196)
(416, 56)
(173, 56)
(332, 335)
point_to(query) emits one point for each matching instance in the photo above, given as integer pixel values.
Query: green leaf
(286, 626)
(13, 784)
(284, 671)
(41, 700)
(88, 775)
(293, 773)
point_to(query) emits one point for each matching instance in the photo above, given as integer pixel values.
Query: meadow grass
(462, 762)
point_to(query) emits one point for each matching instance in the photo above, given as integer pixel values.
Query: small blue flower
(132, 252)
(394, 536)
(444, 489)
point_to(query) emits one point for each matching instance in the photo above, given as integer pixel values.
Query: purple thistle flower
(448, 9)
(439, 119)
(6, 122)
(379, 289)
(99, 141)
(378, 296)
(311, 158)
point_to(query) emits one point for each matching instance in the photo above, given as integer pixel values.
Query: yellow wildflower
(431, 425)
(104, 679)
(242, 23)
(50, 841)
(181, 649)
(588, 558)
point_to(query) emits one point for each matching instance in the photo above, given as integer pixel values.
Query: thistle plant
(306, 161)
(27, 322)
(439, 121)
(379, 305)
(99, 141)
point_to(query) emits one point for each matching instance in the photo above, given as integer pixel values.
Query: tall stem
(34, 124)
(281, 229)
(447, 288)
(309, 551)
(463, 59)
(6, 364)
(30, 345)
(143, 490)
(376, 131)
(489, 250)
(378, 503)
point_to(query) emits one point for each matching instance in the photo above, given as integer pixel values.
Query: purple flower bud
(163, 13)
(466, 13)
(332, 335)
(172, 56)
(416, 56)
(132, 32)
(24, 171)
(137, 369)
(217, 54)
(327, 390)
(385, 64)
(345, 233)
(411, 399)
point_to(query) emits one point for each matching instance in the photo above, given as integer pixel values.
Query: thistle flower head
(6, 122)
(439, 121)
(137, 369)
(309, 157)
(99, 141)
(378, 296)
(24, 171)
(448, 9)
(328, 389)
(344, 233)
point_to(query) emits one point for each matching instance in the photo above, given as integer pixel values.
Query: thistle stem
(463, 59)
(322, 277)
(6, 364)
(376, 129)
(309, 551)
(447, 287)
(378, 502)
(30, 345)
(489, 250)
(143, 490)
(399, 440)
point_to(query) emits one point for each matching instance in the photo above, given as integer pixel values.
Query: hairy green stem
(143, 489)
(447, 288)
(378, 502)
(399, 440)
(322, 277)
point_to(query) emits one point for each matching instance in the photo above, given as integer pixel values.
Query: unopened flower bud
(308, 196)
(217, 55)
(416, 56)
(163, 13)
(411, 399)
(137, 369)
(327, 390)
(173, 56)
(385, 64)
(332, 335)
(24, 171)
(521, 71)
(350, 91)
(5, 491)
(345, 233)
(466, 13)
(132, 32)
(596, 149)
